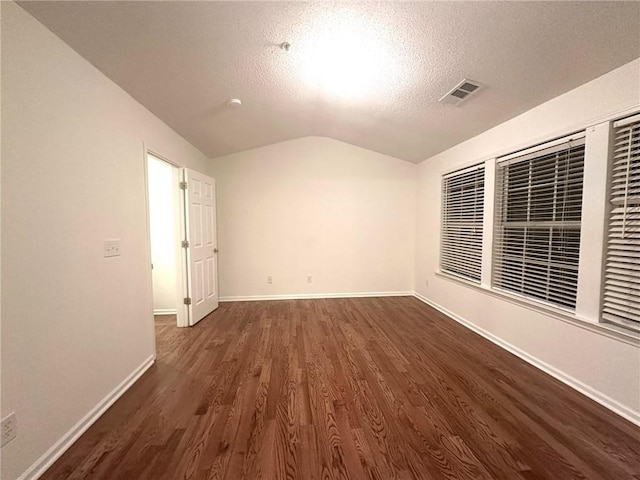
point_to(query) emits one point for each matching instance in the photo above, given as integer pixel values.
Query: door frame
(182, 312)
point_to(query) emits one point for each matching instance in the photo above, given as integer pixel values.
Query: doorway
(183, 242)
(163, 179)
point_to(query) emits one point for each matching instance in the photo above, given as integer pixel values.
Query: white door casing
(202, 258)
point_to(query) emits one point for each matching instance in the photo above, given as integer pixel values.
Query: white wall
(74, 324)
(314, 206)
(163, 235)
(604, 366)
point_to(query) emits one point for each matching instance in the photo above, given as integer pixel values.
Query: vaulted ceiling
(369, 74)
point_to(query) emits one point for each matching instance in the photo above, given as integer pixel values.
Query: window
(621, 302)
(538, 200)
(462, 215)
(537, 219)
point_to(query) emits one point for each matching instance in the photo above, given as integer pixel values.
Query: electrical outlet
(309, 279)
(9, 428)
(111, 248)
(426, 282)
(269, 279)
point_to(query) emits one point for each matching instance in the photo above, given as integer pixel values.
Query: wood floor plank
(349, 389)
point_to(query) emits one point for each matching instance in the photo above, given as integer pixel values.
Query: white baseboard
(165, 311)
(603, 399)
(50, 456)
(308, 296)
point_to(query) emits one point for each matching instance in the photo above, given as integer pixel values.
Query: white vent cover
(460, 92)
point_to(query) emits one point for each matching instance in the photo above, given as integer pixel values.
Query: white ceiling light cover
(347, 58)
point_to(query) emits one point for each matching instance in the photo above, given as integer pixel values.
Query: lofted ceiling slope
(185, 60)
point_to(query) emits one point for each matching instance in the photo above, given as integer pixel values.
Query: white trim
(546, 148)
(62, 445)
(625, 335)
(626, 121)
(181, 311)
(147, 250)
(308, 296)
(152, 151)
(461, 167)
(165, 311)
(185, 254)
(488, 229)
(595, 220)
(595, 395)
(475, 166)
(182, 267)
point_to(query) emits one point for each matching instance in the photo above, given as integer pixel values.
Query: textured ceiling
(184, 60)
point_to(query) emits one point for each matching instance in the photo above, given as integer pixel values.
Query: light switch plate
(111, 248)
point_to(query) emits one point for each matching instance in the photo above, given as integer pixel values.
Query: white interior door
(201, 234)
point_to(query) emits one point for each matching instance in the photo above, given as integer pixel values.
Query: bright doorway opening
(183, 242)
(165, 232)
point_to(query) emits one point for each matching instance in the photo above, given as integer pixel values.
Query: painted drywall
(74, 324)
(314, 206)
(163, 235)
(601, 363)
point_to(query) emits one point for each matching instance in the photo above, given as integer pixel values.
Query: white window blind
(538, 215)
(462, 215)
(621, 302)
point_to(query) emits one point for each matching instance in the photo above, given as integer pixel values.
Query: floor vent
(460, 92)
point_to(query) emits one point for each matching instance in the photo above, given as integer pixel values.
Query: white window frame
(595, 214)
(549, 148)
(455, 173)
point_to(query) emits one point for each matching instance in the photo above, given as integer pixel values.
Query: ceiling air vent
(460, 92)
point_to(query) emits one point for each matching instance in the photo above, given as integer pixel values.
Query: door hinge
(187, 301)
(185, 244)
(183, 185)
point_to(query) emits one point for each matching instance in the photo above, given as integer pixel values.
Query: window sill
(609, 330)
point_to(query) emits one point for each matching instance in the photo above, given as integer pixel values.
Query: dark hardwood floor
(370, 388)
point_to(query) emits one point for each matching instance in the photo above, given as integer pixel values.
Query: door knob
(215, 250)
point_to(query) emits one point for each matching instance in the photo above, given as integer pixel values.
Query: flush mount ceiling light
(234, 103)
(347, 58)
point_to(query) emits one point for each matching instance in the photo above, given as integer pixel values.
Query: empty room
(320, 240)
